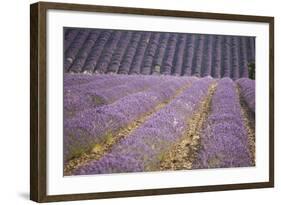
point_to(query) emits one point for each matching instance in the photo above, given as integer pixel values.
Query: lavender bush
(187, 65)
(69, 36)
(216, 73)
(150, 53)
(84, 52)
(227, 57)
(207, 58)
(144, 52)
(169, 55)
(96, 51)
(235, 58)
(142, 149)
(243, 58)
(137, 60)
(247, 89)
(160, 53)
(94, 125)
(77, 98)
(224, 138)
(79, 79)
(107, 53)
(119, 53)
(197, 63)
(75, 47)
(179, 55)
(130, 53)
(251, 49)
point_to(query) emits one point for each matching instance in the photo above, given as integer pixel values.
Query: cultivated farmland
(139, 101)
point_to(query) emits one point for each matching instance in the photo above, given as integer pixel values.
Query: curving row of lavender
(143, 148)
(102, 92)
(70, 80)
(247, 89)
(140, 52)
(224, 141)
(96, 124)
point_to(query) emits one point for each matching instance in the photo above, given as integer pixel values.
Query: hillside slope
(129, 123)
(140, 52)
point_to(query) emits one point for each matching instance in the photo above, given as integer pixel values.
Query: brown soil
(182, 154)
(100, 149)
(249, 123)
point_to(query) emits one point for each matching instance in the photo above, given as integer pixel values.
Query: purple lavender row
(119, 53)
(179, 55)
(235, 58)
(247, 88)
(95, 81)
(169, 55)
(70, 35)
(207, 58)
(89, 96)
(226, 57)
(130, 53)
(84, 52)
(96, 51)
(197, 63)
(75, 47)
(187, 65)
(138, 52)
(142, 149)
(150, 53)
(160, 53)
(216, 72)
(243, 58)
(81, 96)
(71, 79)
(96, 125)
(224, 140)
(107, 52)
(136, 64)
(251, 49)
(66, 32)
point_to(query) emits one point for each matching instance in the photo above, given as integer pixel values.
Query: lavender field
(148, 101)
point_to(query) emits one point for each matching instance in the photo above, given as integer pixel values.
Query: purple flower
(142, 149)
(224, 137)
(95, 124)
(247, 88)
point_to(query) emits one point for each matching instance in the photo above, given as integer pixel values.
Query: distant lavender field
(139, 52)
(137, 101)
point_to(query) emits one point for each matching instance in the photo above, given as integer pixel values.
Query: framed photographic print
(134, 102)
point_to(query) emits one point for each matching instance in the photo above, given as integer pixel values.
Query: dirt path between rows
(183, 153)
(249, 123)
(100, 150)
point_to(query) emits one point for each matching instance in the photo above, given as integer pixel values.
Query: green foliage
(97, 100)
(252, 70)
